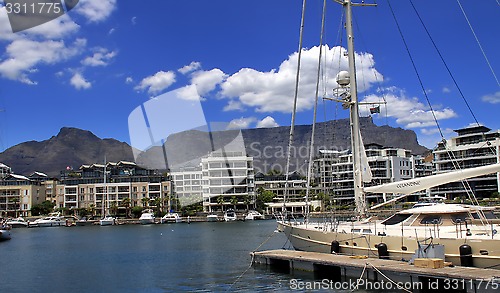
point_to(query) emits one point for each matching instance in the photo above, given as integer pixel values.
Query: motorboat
(147, 217)
(52, 220)
(84, 221)
(230, 215)
(17, 223)
(171, 218)
(5, 232)
(212, 218)
(107, 221)
(254, 215)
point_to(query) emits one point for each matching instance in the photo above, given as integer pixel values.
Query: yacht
(212, 218)
(4, 232)
(52, 220)
(171, 218)
(17, 223)
(466, 233)
(229, 215)
(107, 221)
(85, 221)
(147, 217)
(254, 215)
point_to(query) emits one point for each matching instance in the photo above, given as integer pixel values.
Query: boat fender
(465, 255)
(383, 252)
(335, 247)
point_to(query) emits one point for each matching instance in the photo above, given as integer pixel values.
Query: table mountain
(74, 147)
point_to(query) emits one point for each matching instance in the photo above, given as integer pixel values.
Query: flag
(374, 110)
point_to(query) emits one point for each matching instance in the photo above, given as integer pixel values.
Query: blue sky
(92, 67)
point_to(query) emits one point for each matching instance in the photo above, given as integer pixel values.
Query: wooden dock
(341, 268)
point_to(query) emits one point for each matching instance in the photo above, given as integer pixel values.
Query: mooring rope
(251, 261)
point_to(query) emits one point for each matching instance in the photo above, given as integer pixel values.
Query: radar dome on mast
(343, 78)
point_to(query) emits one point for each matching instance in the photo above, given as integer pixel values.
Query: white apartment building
(227, 181)
(187, 185)
(334, 169)
(472, 147)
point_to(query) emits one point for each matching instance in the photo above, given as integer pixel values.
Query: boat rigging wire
(444, 63)
(477, 40)
(313, 130)
(415, 69)
(294, 112)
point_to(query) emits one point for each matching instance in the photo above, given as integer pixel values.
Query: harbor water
(196, 257)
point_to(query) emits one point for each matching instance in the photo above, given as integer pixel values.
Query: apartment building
(100, 187)
(334, 169)
(227, 181)
(472, 147)
(18, 194)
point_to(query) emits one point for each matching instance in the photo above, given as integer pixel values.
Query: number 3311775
(33, 8)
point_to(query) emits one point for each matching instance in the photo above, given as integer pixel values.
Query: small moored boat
(171, 218)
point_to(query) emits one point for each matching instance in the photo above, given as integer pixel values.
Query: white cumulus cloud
(267, 122)
(101, 57)
(241, 123)
(95, 10)
(407, 111)
(273, 91)
(79, 82)
(24, 55)
(157, 82)
(492, 99)
(191, 67)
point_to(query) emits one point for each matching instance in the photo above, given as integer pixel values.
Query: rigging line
(311, 150)
(477, 40)
(415, 69)
(444, 62)
(294, 112)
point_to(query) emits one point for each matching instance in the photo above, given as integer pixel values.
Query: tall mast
(359, 197)
(354, 111)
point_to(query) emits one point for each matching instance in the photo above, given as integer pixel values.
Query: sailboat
(462, 234)
(107, 219)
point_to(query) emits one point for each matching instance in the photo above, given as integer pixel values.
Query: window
(431, 220)
(396, 219)
(458, 218)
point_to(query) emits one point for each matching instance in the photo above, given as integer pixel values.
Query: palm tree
(91, 209)
(126, 204)
(220, 201)
(145, 201)
(114, 208)
(234, 201)
(15, 201)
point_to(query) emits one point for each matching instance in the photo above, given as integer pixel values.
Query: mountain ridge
(73, 147)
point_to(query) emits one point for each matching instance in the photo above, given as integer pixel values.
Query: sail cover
(366, 171)
(417, 184)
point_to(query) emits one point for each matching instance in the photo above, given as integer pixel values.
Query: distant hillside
(268, 146)
(71, 147)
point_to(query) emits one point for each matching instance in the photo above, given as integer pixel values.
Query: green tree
(126, 204)
(42, 208)
(137, 211)
(234, 201)
(220, 201)
(263, 197)
(145, 201)
(15, 201)
(114, 208)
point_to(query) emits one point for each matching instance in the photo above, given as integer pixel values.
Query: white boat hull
(51, 224)
(485, 252)
(4, 234)
(147, 221)
(107, 221)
